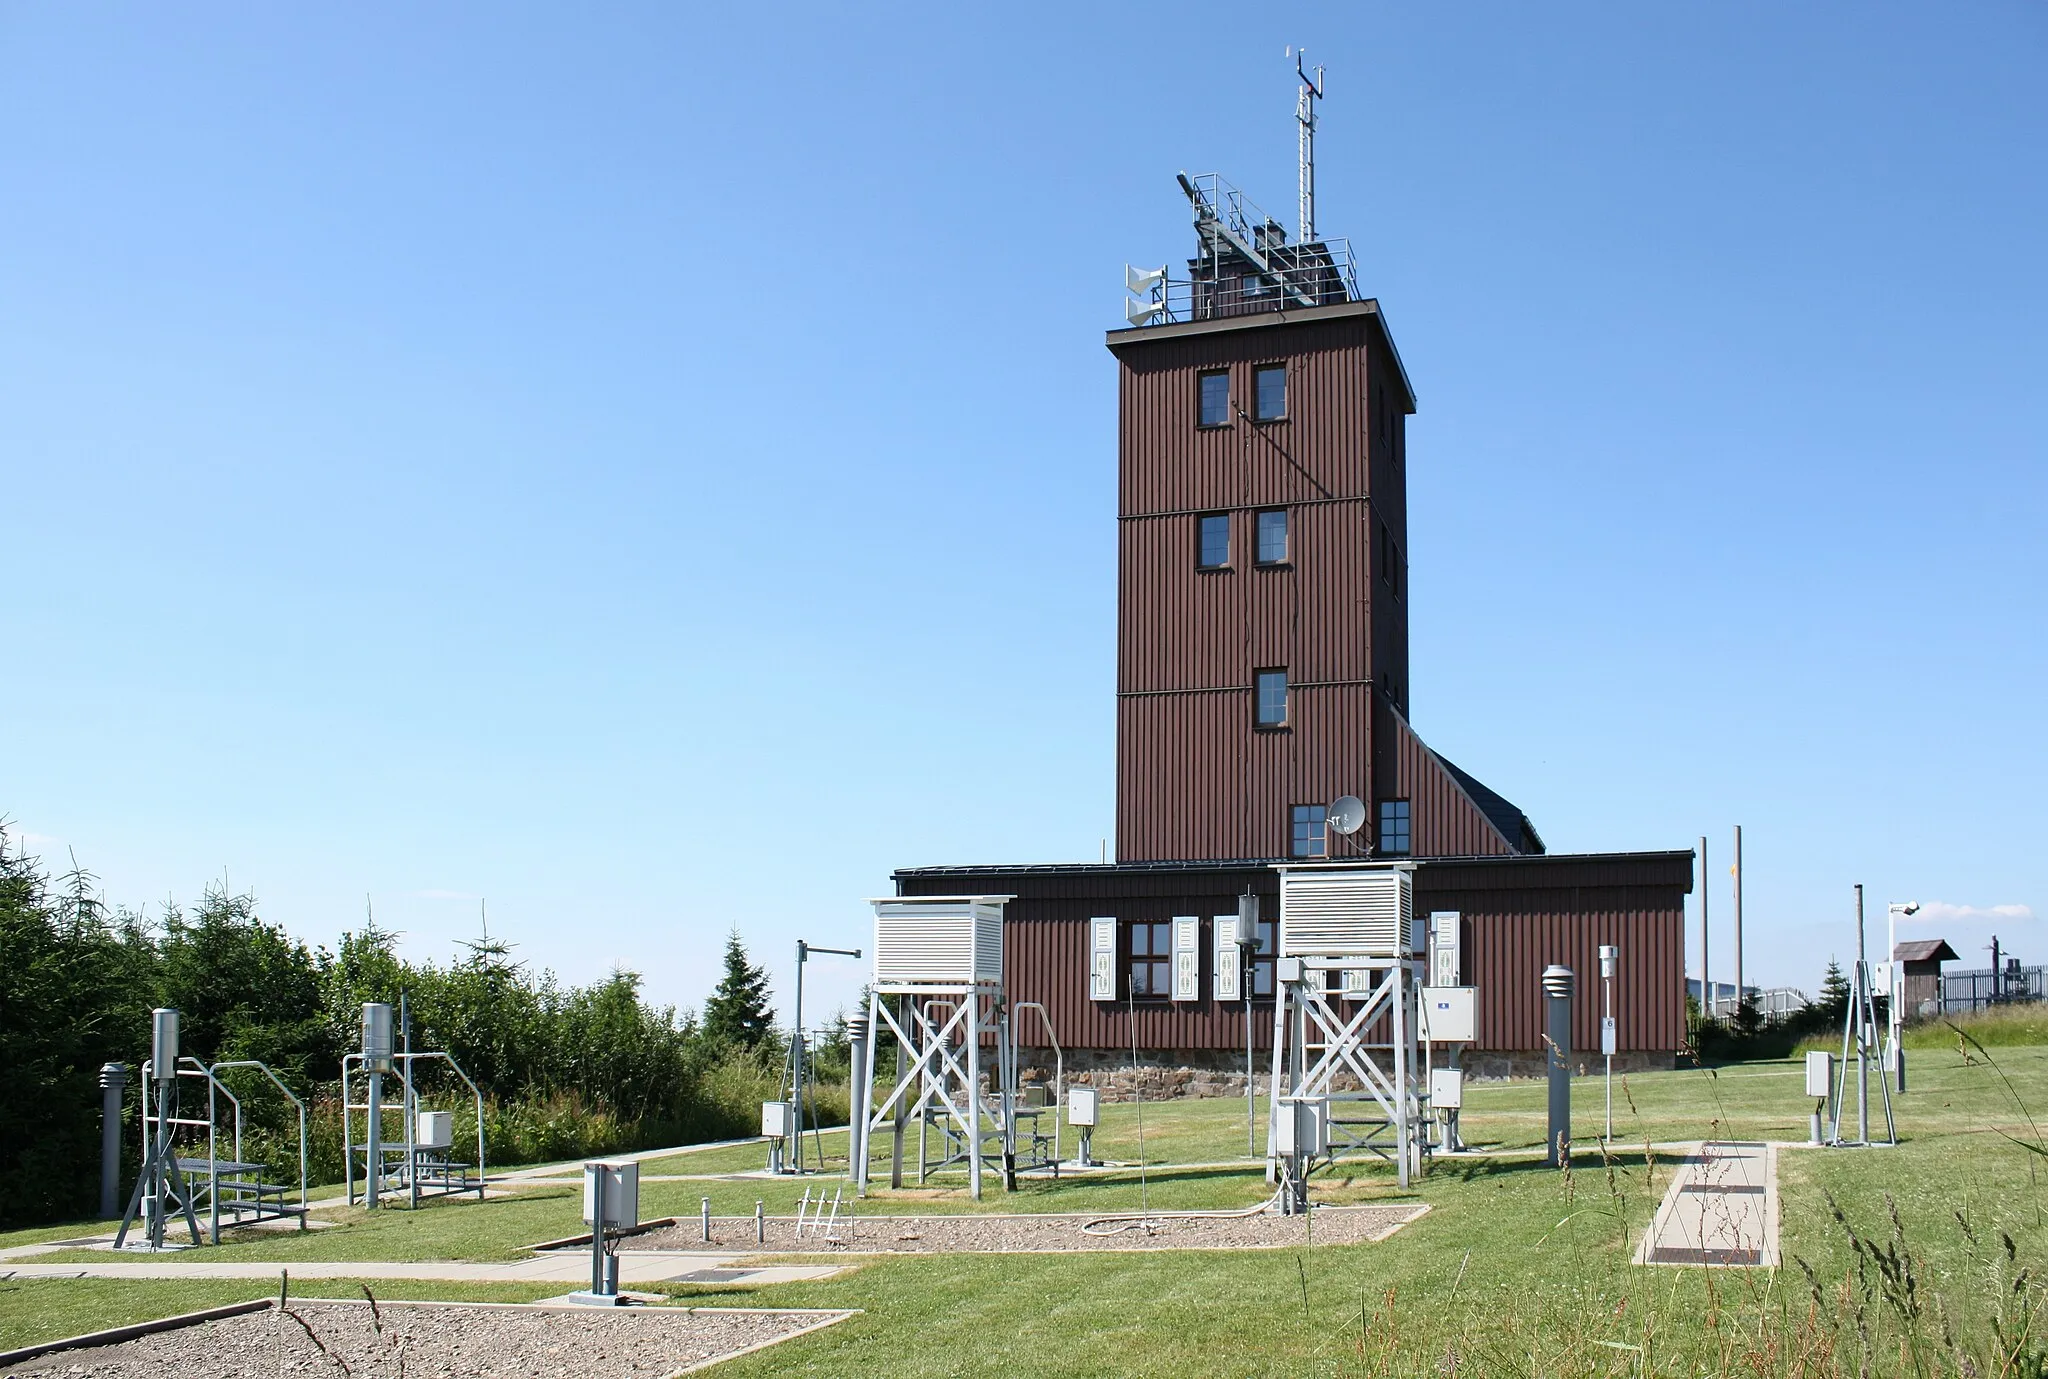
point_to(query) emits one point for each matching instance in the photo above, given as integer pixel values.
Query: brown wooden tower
(1262, 599)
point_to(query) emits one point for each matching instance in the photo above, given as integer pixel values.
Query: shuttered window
(1228, 962)
(1187, 958)
(1102, 960)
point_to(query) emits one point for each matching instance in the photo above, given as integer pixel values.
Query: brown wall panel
(1443, 819)
(1520, 914)
(1196, 780)
(1193, 780)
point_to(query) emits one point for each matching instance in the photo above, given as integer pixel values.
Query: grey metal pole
(1608, 954)
(1740, 989)
(596, 1175)
(1862, 997)
(1557, 985)
(796, 1054)
(1247, 964)
(1706, 955)
(113, 1079)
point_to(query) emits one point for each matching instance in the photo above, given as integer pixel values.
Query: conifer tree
(738, 1014)
(1834, 994)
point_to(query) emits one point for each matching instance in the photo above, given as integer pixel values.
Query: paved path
(566, 1266)
(1721, 1210)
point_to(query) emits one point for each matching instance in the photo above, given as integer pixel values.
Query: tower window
(1269, 396)
(1212, 541)
(1215, 403)
(1272, 532)
(1270, 690)
(1308, 831)
(1395, 840)
(1149, 966)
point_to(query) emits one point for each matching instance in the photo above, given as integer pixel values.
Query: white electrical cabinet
(621, 1193)
(1820, 1073)
(1084, 1106)
(1302, 1127)
(433, 1130)
(776, 1119)
(1348, 913)
(939, 940)
(1450, 1014)
(1446, 947)
(1447, 1088)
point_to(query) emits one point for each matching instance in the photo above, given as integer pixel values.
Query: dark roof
(1926, 950)
(1254, 863)
(1513, 824)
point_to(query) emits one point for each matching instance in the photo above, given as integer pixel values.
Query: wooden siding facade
(1519, 915)
(1195, 778)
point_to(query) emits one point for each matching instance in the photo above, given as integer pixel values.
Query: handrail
(1059, 1074)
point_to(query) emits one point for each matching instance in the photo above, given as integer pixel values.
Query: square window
(1212, 541)
(1394, 834)
(1269, 690)
(1148, 965)
(1215, 400)
(1269, 394)
(1272, 534)
(1308, 831)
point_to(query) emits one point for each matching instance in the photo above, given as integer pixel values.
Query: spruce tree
(1834, 994)
(738, 1014)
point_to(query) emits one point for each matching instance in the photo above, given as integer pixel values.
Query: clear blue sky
(653, 468)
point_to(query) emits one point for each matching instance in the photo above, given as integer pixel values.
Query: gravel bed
(430, 1341)
(977, 1234)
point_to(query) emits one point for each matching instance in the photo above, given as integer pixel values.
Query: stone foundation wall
(1160, 1075)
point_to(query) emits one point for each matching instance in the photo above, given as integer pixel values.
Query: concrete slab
(649, 1266)
(1721, 1210)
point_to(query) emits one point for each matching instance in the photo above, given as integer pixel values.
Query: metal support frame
(227, 1187)
(798, 1077)
(402, 1165)
(939, 1030)
(1307, 1019)
(1860, 1032)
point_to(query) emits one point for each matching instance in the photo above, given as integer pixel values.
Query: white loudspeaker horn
(1139, 281)
(1138, 313)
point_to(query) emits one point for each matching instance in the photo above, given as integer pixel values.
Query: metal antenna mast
(1305, 116)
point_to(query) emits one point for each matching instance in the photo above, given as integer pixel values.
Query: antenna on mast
(1305, 115)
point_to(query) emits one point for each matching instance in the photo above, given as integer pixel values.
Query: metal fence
(1984, 987)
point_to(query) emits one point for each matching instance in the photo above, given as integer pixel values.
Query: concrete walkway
(565, 1266)
(1721, 1210)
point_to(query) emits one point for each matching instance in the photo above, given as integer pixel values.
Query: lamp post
(113, 1080)
(1895, 1013)
(1247, 968)
(796, 1044)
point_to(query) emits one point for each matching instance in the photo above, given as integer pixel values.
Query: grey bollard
(858, 1082)
(113, 1081)
(1557, 986)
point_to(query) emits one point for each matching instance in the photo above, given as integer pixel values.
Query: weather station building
(1263, 679)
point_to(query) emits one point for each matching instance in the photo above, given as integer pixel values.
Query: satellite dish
(1142, 280)
(1347, 814)
(1137, 313)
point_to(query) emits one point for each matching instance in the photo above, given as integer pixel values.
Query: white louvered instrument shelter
(1345, 913)
(939, 940)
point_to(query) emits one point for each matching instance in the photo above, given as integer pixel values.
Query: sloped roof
(1513, 824)
(1926, 950)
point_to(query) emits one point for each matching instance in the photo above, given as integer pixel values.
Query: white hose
(1132, 1220)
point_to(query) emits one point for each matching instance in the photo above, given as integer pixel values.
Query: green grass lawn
(1516, 1270)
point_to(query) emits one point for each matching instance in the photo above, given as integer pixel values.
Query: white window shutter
(1102, 960)
(1187, 958)
(1227, 965)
